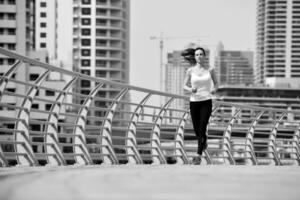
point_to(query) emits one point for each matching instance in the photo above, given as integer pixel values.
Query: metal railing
(52, 116)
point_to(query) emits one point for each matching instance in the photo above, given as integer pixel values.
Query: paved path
(142, 182)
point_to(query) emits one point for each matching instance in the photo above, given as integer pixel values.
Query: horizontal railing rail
(48, 119)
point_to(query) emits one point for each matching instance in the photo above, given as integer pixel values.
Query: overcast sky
(202, 21)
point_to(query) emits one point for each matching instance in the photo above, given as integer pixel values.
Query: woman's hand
(194, 90)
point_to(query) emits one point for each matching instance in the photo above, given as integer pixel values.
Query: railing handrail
(83, 76)
(124, 85)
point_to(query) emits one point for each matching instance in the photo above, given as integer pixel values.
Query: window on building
(100, 73)
(101, 32)
(86, 1)
(43, 45)
(35, 127)
(50, 93)
(43, 35)
(85, 83)
(86, 11)
(33, 77)
(101, 2)
(43, 14)
(85, 92)
(11, 16)
(85, 42)
(48, 106)
(101, 22)
(101, 42)
(85, 21)
(11, 46)
(85, 52)
(35, 106)
(101, 63)
(13, 90)
(11, 2)
(10, 61)
(43, 25)
(11, 31)
(43, 4)
(86, 31)
(85, 63)
(86, 72)
(101, 53)
(101, 11)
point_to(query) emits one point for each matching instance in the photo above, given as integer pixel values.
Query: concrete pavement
(140, 182)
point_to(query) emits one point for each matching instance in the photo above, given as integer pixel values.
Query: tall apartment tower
(278, 42)
(29, 28)
(101, 41)
(16, 34)
(233, 67)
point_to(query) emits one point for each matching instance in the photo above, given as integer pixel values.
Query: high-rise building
(29, 28)
(101, 41)
(278, 42)
(234, 67)
(16, 34)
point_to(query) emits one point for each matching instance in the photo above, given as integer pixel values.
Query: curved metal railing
(48, 119)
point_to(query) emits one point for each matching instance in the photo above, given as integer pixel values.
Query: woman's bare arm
(187, 81)
(214, 78)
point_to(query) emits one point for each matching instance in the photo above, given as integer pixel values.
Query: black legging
(200, 113)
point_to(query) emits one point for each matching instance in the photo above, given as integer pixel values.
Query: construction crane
(161, 40)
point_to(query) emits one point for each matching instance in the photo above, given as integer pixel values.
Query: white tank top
(203, 82)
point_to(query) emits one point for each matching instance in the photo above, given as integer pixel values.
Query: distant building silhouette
(234, 67)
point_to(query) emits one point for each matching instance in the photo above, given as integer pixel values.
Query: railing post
(157, 155)
(181, 155)
(227, 137)
(249, 139)
(272, 143)
(80, 139)
(23, 125)
(296, 145)
(131, 144)
(108, 152)
(52, 128)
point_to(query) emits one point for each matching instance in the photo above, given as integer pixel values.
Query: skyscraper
(101, 41)
(278, 42)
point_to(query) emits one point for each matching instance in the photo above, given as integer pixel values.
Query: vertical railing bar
(272, 137)
(155, 136)
(106, 141)
(179, 140)
(131, 132)
(227, 136)
(296, 146)
(80, 129)
(250, 136)
(52, 128)
(23, 123)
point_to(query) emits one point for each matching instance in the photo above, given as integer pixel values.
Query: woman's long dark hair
(189, 54)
